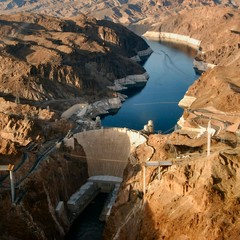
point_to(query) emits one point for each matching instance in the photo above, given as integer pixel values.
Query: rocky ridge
(220, 53)
(171, 207)
(196, 197)
(125, 12)
(221, 47)
(33, 216)
(46, 58)
(48, 64)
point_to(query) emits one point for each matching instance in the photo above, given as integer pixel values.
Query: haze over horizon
(122, 11)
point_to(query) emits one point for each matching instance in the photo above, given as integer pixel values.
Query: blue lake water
(171, 73)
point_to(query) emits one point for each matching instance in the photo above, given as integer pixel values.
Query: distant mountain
(123, 11)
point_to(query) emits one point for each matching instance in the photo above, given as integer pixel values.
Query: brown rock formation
(47, 58)
(222, 92)
(216, 27)
(38, 194)
(123, 11)
(197, 198)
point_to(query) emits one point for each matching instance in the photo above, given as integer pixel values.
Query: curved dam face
(107, 150)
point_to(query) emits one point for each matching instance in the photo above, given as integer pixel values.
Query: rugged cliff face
(196, 200)
(126, 11)
(38, 192)
(216, 27)
(196, 197)
(47, 58)
(225, 81)
(26, 137)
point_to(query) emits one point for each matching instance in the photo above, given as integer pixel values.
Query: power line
(99, 159)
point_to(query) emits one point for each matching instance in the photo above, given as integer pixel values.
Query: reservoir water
(170, 72)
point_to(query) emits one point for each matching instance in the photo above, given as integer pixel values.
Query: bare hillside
(124, 11)
(44, 57)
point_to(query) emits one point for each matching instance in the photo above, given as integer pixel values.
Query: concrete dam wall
(107, 150)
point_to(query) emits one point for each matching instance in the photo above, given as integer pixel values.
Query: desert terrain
(121, 11)
(56, 54)
(195, 197)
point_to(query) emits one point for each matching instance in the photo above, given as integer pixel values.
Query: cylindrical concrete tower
(98, 122)
(145, 128)
(150, 126)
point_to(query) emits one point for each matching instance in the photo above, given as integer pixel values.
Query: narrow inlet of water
(171, 73)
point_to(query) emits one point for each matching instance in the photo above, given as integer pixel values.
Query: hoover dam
(62, 170)
(108, 149)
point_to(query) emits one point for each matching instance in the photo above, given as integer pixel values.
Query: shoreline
(199, 66)
(86, 112)
(173, 37)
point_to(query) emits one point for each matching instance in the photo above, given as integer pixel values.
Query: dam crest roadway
(107, 154)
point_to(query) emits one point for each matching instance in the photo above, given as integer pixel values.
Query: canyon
(47, 66)
(57, 75)
(194, 198)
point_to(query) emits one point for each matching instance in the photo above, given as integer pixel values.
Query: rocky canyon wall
(38, 192)
(216, 27)
(196, 197)
(46, 58)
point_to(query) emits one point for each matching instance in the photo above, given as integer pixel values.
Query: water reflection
(171, 73)
(181, 47)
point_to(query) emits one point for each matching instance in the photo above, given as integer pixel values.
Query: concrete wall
(81, 198)
(107, 150)
(109, 203)
(105, 183)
